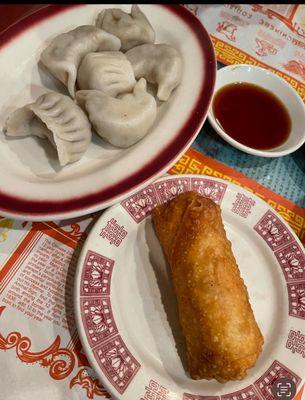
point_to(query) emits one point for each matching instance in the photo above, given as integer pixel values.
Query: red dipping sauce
(251, 115)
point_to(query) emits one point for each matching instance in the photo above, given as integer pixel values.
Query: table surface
(289, 181)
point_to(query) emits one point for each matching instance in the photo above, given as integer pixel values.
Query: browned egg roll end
(222, 337)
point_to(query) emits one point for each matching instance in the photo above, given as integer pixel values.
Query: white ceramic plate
(32, 185)
(126, 310)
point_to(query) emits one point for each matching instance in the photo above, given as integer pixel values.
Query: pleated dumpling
(109, 71)
(121, 121)
(64, 54)
(157, 63)
(55, 117)
(133, 29)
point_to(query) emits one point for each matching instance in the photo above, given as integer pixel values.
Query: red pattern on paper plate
(292, 261)
(117, 363)
(154, 391)
(296, 298)
(141, 203)
(110, 352)
(208, 188)
(96, 274)
(248, 393)
(167, 190)
(275, 371)
(273, 231)
(98, 319)
(296, 342)
(113, 232)
(242, 205)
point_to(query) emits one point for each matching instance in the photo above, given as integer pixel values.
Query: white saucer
(278, 86)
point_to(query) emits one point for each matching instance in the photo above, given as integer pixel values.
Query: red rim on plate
(18, 206)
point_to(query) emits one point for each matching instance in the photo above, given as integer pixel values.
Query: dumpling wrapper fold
(57, 118)
(64, 54)
(133, 29)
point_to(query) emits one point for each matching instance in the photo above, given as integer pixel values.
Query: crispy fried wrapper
(222, 337)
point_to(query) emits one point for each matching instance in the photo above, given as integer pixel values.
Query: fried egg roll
(222, 337)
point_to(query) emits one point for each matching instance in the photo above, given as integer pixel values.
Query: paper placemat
(40, 352)
(268, 35)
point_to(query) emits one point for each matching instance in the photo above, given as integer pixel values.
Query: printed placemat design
(30, 289)
(270, 36)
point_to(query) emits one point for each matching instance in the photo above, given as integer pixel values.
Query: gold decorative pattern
(228, 54)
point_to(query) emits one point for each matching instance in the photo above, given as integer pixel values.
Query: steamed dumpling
(64, 54)
(109, 71)
(122, 121)
(57, 118)
(133, 29)
(157, 63)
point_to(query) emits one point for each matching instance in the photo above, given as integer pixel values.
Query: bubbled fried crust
(222, 337)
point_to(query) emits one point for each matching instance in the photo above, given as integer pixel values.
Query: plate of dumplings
(97, 101)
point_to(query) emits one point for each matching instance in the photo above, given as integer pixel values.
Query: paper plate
(126, 309)
(32, 185)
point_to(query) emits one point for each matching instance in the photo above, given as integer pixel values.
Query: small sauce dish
(278, 113)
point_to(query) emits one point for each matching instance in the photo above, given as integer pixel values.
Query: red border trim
(19, 206)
